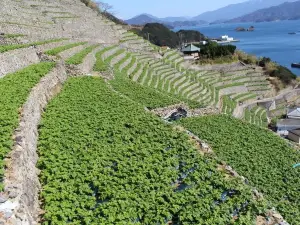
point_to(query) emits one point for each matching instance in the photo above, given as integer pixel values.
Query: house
(293, 113)
(294, 135)
(284, 126)
(191, 50)
(203, 42)
(227, 38)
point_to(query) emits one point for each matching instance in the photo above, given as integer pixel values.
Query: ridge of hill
(81, 144)
(235, 10)
(168, 21)
(222, 14)
(285, 11)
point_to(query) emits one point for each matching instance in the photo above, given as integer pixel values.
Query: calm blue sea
(270, 39)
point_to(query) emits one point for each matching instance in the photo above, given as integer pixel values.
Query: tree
(105, 7)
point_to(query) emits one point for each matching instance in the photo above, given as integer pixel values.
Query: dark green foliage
(5, 48)
(14, 90)
(161, 35)
(284, 74)
(213, 50)
(190, 35)
(281, 72)
(257, 154)
(104, 160)
(263, 61)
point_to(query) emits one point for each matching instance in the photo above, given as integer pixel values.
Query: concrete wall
(294, 137)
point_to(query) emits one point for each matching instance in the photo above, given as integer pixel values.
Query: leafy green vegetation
(228, 105)
(212, 50)
(78, 58)
(14, 90)
(5, 48)
(104, 160)
(257, 154)
(60, 49)
(100, 65)
(147, 96)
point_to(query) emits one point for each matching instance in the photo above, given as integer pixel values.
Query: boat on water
(296, 65)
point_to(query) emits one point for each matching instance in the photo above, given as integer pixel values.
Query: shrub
(91, 4)
(213, 50)
(246, 58)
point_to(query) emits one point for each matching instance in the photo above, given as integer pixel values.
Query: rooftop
(288, 122)
(296, 132)
(190, 48)
(294, 112)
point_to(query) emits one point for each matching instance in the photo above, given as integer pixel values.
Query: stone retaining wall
(19, 204)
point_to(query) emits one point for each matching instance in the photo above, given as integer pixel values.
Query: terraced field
(123, 163)
(79, 146)
(265, 160)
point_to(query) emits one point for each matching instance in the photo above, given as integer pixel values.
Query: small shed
(191, 49)
(294, 135)
(293, 113)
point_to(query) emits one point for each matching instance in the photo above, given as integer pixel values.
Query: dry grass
(91, 4)
(246, 58)
(270, 67)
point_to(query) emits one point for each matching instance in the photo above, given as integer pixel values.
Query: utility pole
(180, 40)
(148, 36)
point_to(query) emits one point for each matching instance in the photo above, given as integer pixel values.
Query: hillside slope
(168, 21)
(285, 11)
(239, 9)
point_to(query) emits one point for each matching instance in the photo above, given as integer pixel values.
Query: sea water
(269, 39)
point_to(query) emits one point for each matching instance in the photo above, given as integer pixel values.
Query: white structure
(203, 42)
(293, 113)
(227, 38)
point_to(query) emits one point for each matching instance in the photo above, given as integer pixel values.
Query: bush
(91, 4)
(284, 74)
(246, 58)
(213, 50)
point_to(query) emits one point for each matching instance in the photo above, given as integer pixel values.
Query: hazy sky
(126, 9)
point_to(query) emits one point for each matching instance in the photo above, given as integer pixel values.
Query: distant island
(285, 11)
(239, 29)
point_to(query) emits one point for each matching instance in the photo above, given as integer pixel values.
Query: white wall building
(226, 38)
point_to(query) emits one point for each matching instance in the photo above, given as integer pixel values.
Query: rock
(3, 198)
(250, 28)
(240, 29)
(13, 194)
(278, 217)
(8, 214)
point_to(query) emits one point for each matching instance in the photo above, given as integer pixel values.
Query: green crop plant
(259, 155)
(14, 90)
(104, 160)
(56, 51)
(5, 48)
(79, 57)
